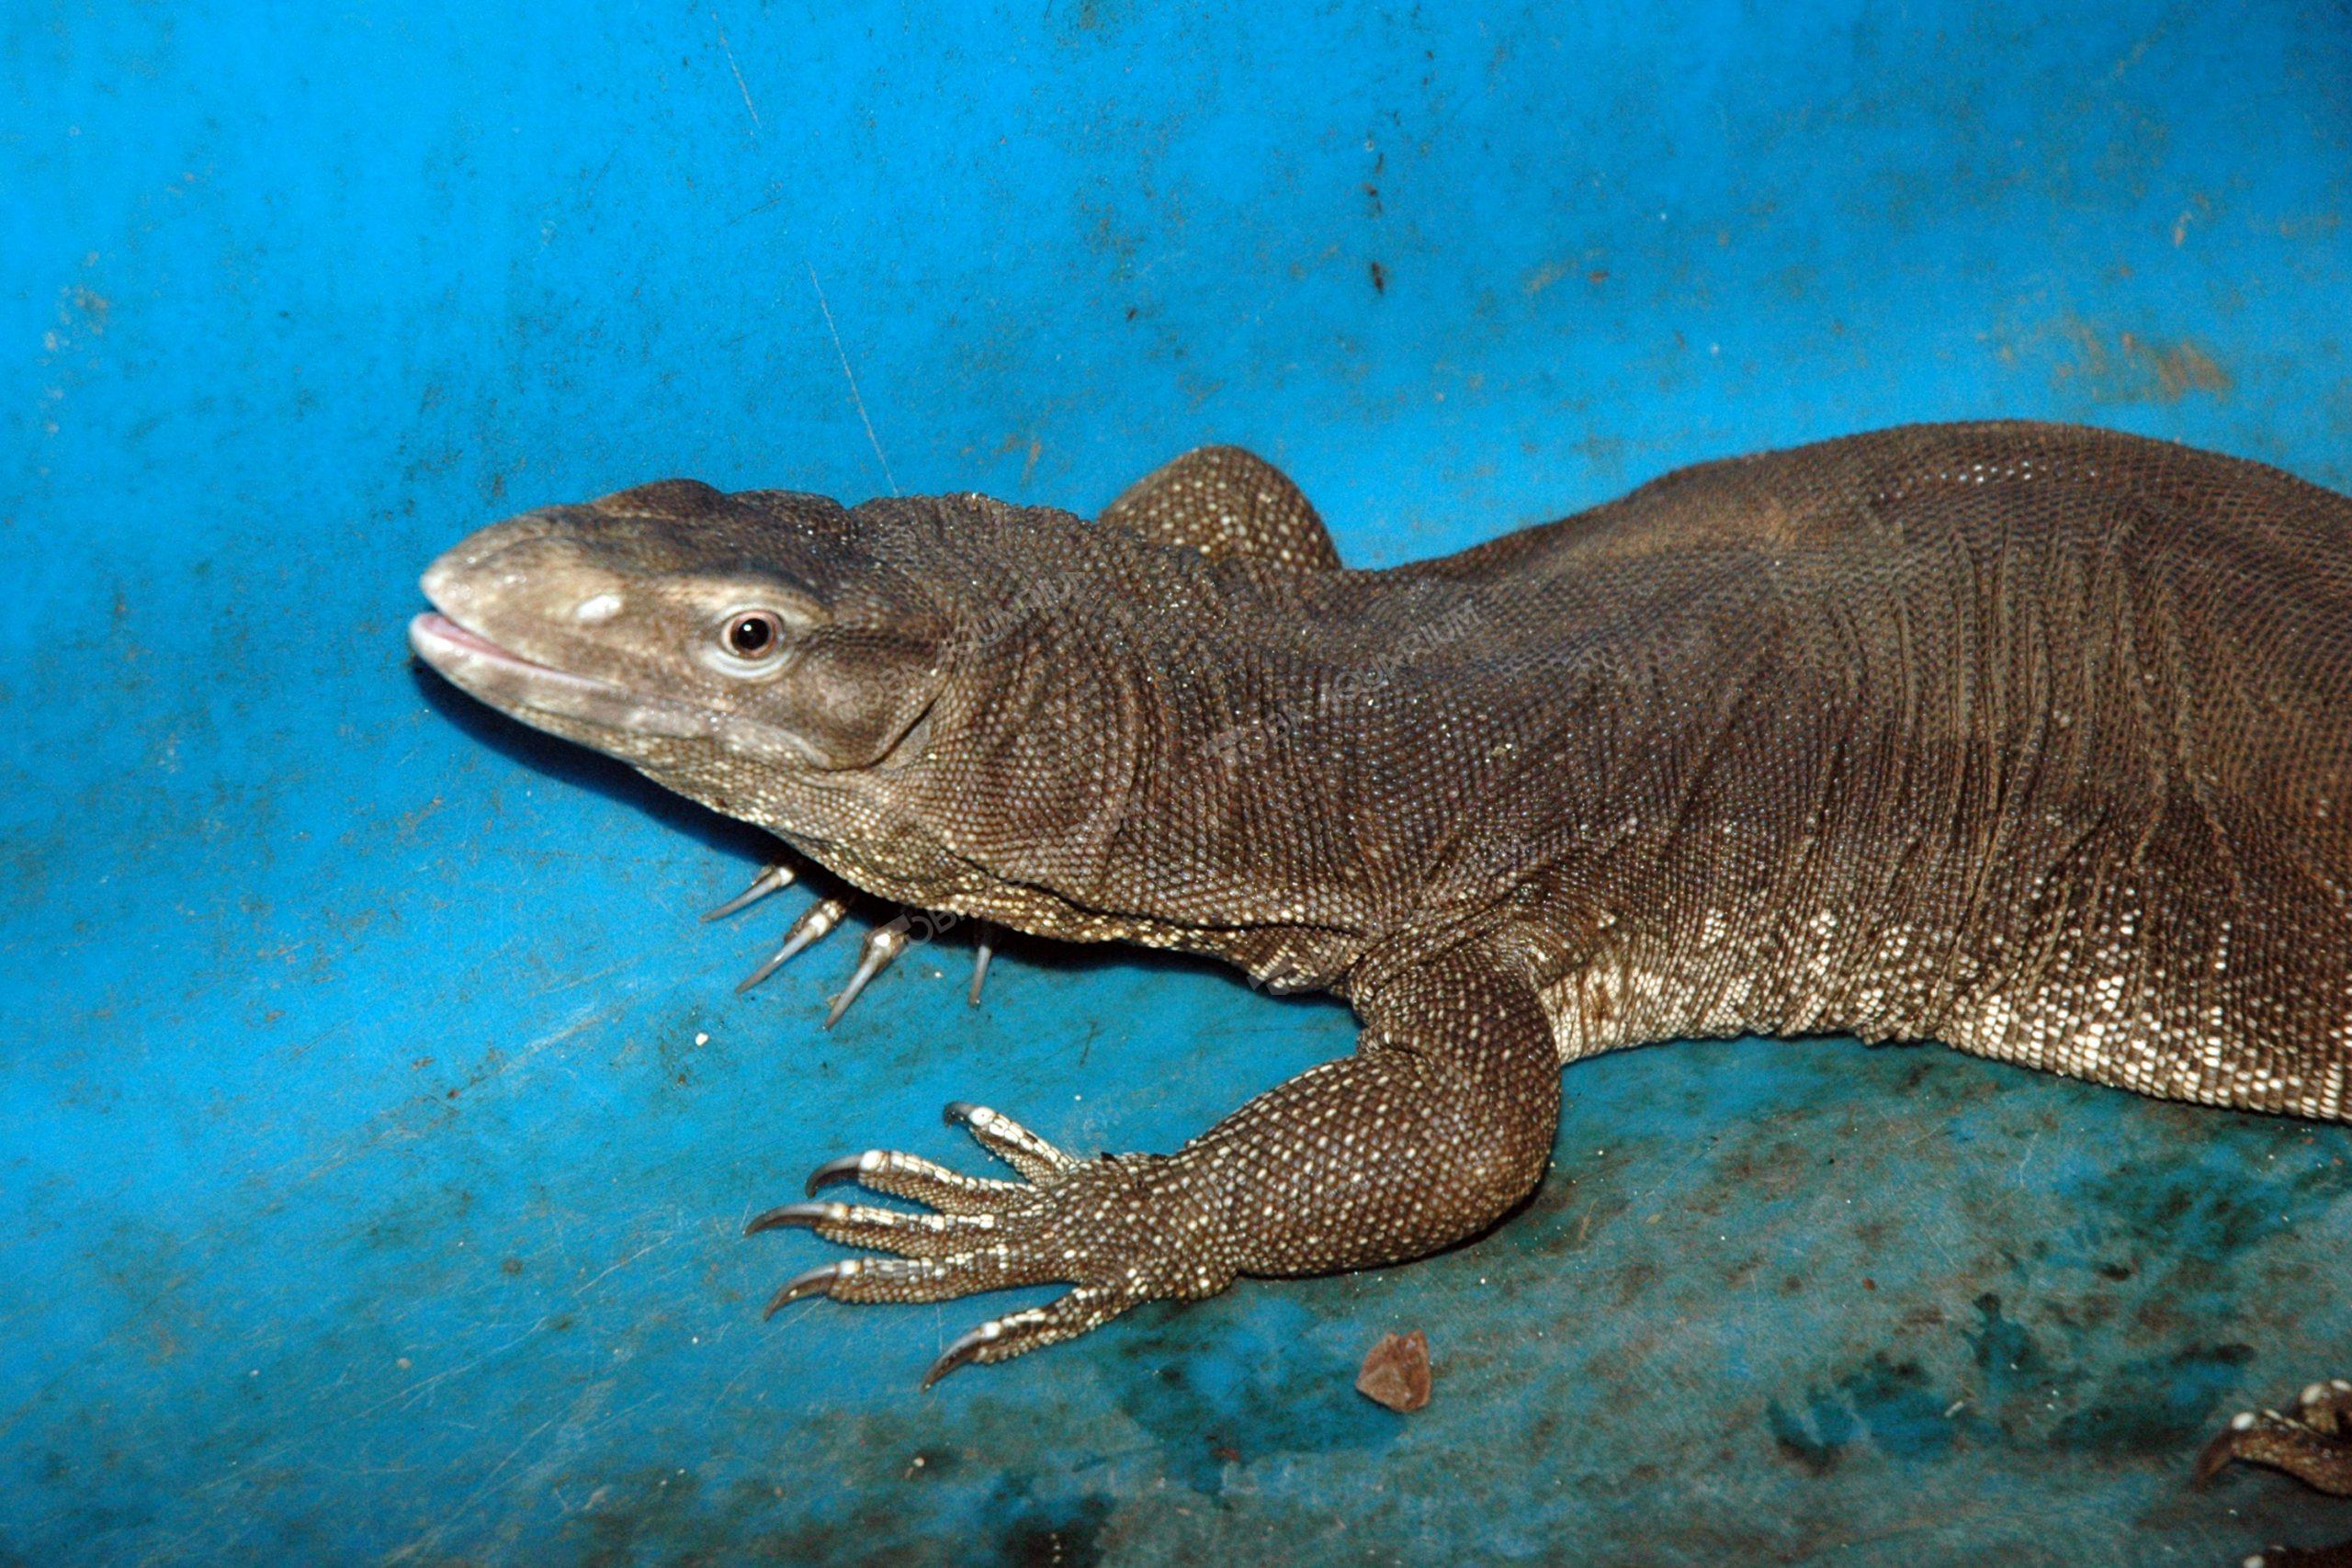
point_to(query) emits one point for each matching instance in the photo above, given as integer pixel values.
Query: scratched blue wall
(379, 1123)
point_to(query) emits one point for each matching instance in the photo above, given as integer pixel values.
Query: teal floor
(377, 1123)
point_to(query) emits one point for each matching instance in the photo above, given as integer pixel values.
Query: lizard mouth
(556, 699)
(483, 667)
(538, 694)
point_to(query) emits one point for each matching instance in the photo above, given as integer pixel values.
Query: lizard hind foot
(2312, 1443)
(1119, 1231)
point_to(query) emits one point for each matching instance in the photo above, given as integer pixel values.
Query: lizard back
(2029, 739)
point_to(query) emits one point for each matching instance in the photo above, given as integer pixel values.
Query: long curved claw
(960, 1353)
(814, 922)
(770, 877)
(1019, 1147)
(885, 1230)
(785, 1215)
(883, 945)
(1017, 1333)
(980, 956)
(849, 1168)
(914, 1280)
(816, 1280)
(917, 1179)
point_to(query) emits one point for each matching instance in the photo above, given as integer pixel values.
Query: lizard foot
(883, 944)
(2314, 1444)
(1121, 1231)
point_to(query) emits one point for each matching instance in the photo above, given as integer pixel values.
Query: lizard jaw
(466, 656)
(556, 699)
(502, 677)
(526, 690)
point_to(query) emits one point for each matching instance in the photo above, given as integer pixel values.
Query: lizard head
(718, 643)
(945, 699)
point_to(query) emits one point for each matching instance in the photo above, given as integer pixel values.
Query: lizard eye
(754, 641)
(753, 634)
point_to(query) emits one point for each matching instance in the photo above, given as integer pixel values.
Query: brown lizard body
(2028, 738)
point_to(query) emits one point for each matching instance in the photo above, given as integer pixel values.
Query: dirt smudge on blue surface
(1068, 1536)
(1213, 1403)
(977, 1497)
(2130, 368)
(1892, 1404)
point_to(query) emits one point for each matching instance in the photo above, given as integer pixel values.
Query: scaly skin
(2312, 1444)
(2027, 738)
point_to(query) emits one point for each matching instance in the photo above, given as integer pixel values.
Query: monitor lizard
(2029, 739)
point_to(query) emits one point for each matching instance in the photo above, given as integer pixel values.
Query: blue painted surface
(379, 1122)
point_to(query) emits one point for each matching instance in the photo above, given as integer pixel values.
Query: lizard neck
(1223, 757)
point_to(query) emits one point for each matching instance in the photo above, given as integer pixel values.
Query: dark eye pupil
(750, 634)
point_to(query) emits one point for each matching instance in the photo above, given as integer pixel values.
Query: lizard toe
(2314, 1444)
(1016, 1333)
(905, 1281)
(772, 876)
(885, 1230)
(1019, 1147)
(916, 1179)
(2326, 1408)
(815, 921)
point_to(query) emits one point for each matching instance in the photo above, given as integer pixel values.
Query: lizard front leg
(1440, 1122)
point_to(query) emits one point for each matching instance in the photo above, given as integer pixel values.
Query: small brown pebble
(1397, 1372)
